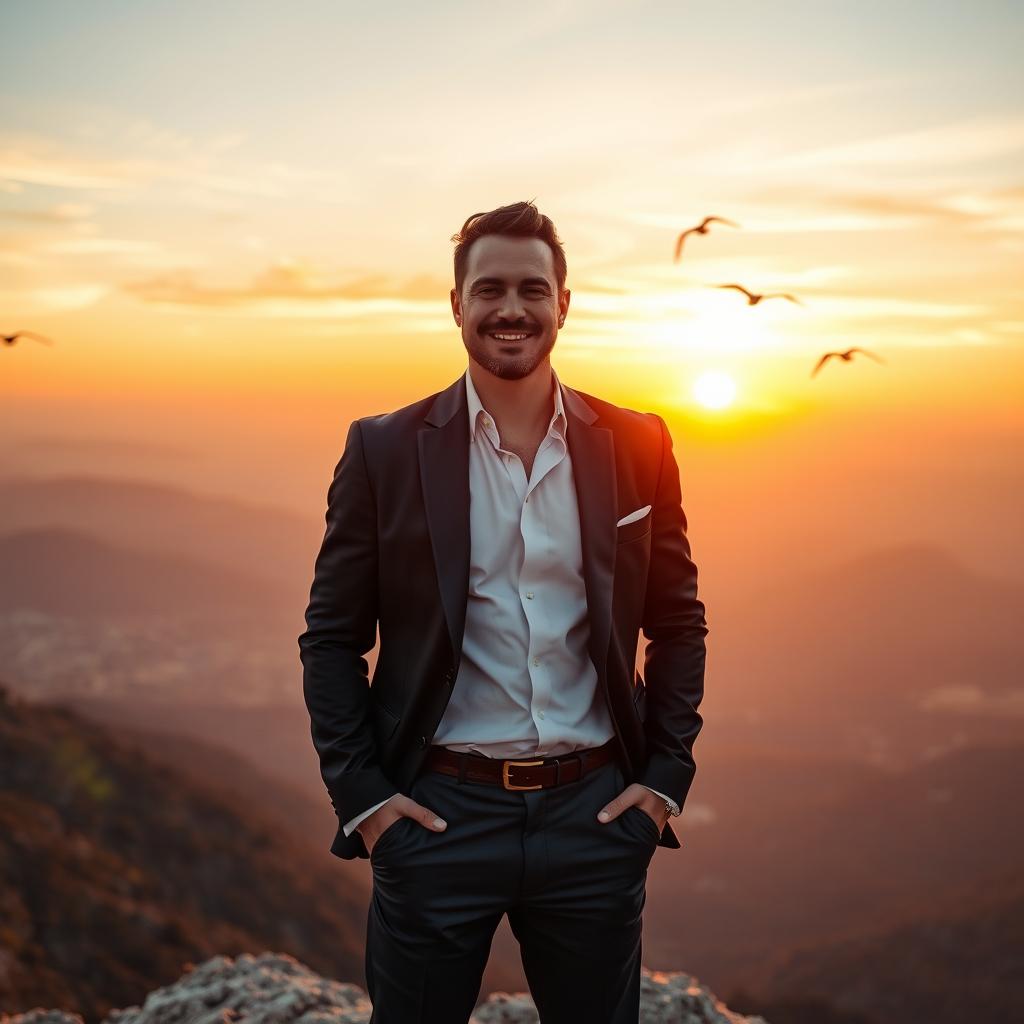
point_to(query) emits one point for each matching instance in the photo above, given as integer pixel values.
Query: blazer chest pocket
(634, 531)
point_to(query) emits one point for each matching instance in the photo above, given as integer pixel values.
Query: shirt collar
(476, 408)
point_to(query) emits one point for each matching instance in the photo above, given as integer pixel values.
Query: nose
(512, 307)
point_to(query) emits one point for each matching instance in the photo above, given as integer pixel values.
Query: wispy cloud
(783, 222)
(61, 213)
(104, 447)
(971, 699)
(980, 138)
(180, 165)
(58, 299)
(805, 209)
(846, 308)
(104, 246)
(62, 170)
(298, 289)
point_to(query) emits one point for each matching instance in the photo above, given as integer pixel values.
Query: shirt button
(540, 714)
(529, 594)
(536, 661)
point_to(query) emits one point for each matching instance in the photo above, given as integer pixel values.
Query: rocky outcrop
(275, 988)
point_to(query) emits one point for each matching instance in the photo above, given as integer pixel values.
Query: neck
(521, 407)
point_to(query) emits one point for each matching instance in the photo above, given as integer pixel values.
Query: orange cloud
(297, 282)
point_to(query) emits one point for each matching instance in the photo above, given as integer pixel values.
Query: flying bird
(846, 356)
(753, 299)
(10, 339)
(701, 229)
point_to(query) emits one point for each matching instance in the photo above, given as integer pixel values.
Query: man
(511, 536)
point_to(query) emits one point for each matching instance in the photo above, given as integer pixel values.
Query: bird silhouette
(701, 229)
(845, 356)
(753, 299)
(10, 339)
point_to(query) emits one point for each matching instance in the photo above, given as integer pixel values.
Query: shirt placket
(549, 453)
(531, 582)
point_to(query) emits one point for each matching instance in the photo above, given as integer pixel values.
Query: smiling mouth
(510, 336)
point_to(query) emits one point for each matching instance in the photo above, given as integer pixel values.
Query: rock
(275, 988)
(272, 988)
(41, 1017)
(666, 997)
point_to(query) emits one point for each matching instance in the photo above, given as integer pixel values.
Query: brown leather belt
(519, 773)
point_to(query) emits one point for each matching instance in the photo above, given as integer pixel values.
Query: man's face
(510, 288)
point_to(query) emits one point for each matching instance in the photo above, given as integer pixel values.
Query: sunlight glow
(711, 322)
(714, 389)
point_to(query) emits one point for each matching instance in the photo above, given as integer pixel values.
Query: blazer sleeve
(675, 626)
(341, 627)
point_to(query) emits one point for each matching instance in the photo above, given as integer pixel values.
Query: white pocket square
(634, 516)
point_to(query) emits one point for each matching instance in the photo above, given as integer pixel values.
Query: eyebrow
(498, 280)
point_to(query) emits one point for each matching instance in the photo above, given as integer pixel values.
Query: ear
(456, 306)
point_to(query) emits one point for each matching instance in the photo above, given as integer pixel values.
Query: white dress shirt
(526, 686)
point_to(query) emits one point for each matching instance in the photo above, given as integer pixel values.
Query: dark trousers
(573, 887)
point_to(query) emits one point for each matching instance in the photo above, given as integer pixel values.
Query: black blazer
(396, 551)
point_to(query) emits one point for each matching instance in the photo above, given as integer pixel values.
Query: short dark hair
(521, 220)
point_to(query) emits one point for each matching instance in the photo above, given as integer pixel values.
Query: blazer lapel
(592, 450)
(444, 477)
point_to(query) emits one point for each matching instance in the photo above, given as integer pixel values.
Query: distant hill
(888, 657)
(67, 572)
(862, 734)
(805, 867)
(81, 616)
(911, 615)
(798, 861)
(258, 538)
(116, 871)
(784, 851)
(958, 958)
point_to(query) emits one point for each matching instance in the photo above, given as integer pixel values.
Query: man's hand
(650, 803)
(399, 806)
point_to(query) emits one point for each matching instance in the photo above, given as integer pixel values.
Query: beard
(485, 352)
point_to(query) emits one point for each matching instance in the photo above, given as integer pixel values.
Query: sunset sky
(234, 220)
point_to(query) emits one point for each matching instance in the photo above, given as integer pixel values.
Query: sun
(714, 389)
